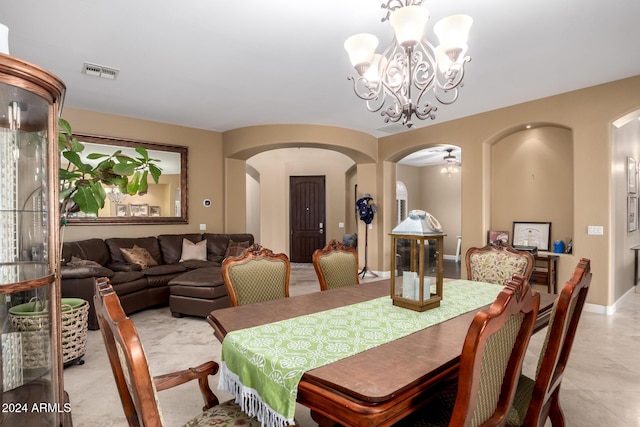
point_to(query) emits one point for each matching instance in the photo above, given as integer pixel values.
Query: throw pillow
(194, 251)
(138, 255)
(79, 262)
(235, 248)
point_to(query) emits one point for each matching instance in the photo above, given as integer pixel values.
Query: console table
(545, 272)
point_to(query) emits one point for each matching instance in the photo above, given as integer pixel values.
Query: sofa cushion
(81, 272)
(79, 262)
(235, 248)
(193, 251)
(138, 255)
(125, 276)
(193, 264)
(217, 243)
(160, 270)
(90, 249)
(171, 245)
(130, 286)
(149, 243)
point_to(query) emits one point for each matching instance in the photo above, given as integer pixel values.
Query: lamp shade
(453, 31)
(361, 48)
(4, 39)
(375, 71)
(408, 24)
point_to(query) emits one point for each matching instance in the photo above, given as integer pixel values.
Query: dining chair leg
(555, 411)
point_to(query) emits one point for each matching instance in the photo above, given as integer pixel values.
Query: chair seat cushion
(225, 414)
(521, 401)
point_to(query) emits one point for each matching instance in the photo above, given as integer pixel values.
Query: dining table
(378, 386)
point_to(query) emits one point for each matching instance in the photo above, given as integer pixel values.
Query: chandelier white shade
(4, 39)
(398, 81)
(450, 163)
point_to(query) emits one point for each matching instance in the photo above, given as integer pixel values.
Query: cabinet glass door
(27, 361)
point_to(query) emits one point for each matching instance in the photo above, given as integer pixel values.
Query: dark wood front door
(307, 216)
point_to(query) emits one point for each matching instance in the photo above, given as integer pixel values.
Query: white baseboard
(608, 309)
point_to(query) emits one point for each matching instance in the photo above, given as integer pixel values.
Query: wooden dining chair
(536, 400)
(497, 262)
(490, 363)
(336, 265)
(135, 385)
(256, 275)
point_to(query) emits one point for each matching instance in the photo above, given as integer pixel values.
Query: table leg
(322, 420)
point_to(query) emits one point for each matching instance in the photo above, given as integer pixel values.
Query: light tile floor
(601, 385)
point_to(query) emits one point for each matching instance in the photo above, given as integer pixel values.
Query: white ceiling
(224, 65)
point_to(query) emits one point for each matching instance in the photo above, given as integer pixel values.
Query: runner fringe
(249, 400)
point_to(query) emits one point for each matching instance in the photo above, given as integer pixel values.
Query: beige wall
(217, 171)
(441, 197)
(204, 176)
(438, 194)
(588, 113)
(276, 167)
(626, 143)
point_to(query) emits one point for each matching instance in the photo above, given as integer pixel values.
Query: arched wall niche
(531, 179)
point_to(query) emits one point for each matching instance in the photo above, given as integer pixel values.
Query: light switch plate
(203, 227)
(595, 230)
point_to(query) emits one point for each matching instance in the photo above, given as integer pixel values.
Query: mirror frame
(129, 220)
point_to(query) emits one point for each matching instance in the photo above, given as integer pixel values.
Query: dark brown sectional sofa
(191, 287)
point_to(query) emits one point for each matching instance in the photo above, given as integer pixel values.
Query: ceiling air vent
(95, 70)
(394, 128)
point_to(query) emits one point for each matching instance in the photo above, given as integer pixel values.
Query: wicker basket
(33, 323)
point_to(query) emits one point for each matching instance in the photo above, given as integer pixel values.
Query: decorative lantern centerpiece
(417, 249)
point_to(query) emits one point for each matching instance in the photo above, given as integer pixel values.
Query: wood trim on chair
(516, 297)
(561, 333)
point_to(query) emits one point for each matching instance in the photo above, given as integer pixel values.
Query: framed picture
(139, 210)
(154, 210)
(122, 209)
(632, 176)
(632, 213)
(536, 234)
(494, 235)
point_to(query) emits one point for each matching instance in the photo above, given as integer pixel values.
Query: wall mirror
(164, 203)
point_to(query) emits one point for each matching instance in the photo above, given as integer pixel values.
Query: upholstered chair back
(256, 275)
(490, 364)
(497, 263)
(336, 266)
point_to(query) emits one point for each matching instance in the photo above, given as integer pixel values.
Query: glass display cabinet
(417, 262)
(30, 362)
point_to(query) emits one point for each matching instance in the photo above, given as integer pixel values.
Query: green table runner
(261, 366)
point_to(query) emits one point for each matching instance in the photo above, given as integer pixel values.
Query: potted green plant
(82, 184)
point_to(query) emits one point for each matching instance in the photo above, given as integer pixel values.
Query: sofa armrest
(124, 266)
(84, 272)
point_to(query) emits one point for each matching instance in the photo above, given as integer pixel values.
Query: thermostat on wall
(206, 203)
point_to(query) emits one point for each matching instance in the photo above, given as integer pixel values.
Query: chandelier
(115, 195)
(450, 163)
(398, 80)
